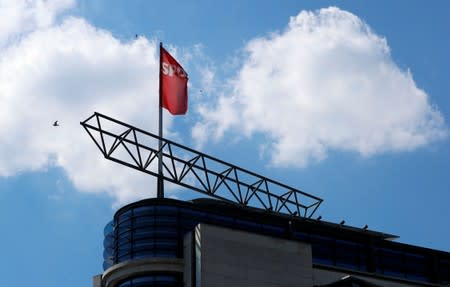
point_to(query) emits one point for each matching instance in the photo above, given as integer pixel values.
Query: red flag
(173, 84)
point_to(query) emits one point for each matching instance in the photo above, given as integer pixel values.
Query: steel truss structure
(138, 149)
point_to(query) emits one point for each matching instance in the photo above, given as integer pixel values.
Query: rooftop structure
(259, 232)
(167, 242)
(138, 149)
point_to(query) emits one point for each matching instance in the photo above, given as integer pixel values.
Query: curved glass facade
(149, 231)
(156, 228)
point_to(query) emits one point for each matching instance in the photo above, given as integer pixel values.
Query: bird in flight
(55, 124)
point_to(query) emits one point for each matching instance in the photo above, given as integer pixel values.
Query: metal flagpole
(160, 186)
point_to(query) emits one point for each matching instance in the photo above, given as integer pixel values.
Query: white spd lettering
(170, 70)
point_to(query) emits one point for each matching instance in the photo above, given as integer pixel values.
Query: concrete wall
(188, 259)
(236, 258)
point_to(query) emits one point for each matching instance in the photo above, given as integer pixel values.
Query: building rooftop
(334, 246)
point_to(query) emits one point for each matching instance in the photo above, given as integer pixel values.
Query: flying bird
(55, 124)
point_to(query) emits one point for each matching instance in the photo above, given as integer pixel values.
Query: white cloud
(65, 71)
(21, 16)
(327, 82)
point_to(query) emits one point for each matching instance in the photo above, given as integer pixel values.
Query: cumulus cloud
(21, 16)
(327, 82)
(65, 71)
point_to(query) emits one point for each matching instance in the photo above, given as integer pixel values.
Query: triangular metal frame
(199, 171)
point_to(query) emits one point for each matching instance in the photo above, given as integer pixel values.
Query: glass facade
(152, 280)
(156, 227)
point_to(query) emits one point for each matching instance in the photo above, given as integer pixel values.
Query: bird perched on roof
(55, 124)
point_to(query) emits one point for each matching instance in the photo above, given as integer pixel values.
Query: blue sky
(349, 103)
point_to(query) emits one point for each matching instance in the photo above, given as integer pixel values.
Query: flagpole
(160, 186)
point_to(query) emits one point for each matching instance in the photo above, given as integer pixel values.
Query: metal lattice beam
(138, 149)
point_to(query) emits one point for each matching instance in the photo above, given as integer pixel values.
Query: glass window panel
(444, 270)
(147, 253)
(322, 249)
(124, 216)
(166, 210)
(220, 219)
(143, 240)
(348, 254)
(143, 244)
(143, 211)
(188, 213)
(272, 229)
(124, 234)
(166, 220)
(106, 265)
(123, 255)
(107, 253)
(415, 265)
(390, 262)
(172, 244)
(124, 226)
(123, 241)
(139, 234)
(167, 253)
(166, 233)
(144, 221)
(301, 236)
(152, 280)
(143, 281)
(166, 278)
(248, 225)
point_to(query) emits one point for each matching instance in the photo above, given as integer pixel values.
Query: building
(206, 242)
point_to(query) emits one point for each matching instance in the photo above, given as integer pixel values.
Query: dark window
(165, 210)
(302, 236)
(152, 280)
(322, 249)
(125, 216)
(389, 262)
(273, 230)
(144, 221)
(415, 266)
(189, 213)
(350, 255)
(248, 225)
(220, 220)
(444, 271)
(144, 211)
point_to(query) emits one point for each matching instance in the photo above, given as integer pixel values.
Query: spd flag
(173, 84)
